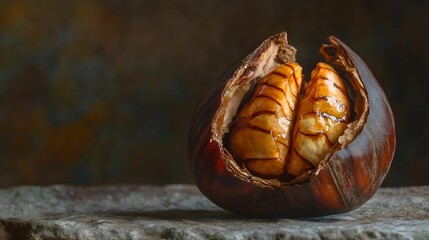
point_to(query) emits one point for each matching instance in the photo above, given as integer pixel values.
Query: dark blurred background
(95, 92)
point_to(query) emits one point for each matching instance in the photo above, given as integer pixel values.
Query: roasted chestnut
(265, 142)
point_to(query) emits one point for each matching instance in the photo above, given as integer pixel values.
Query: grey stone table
(181, 212)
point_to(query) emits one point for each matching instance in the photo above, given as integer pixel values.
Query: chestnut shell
(346, 179)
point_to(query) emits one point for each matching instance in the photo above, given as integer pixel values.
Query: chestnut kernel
(267, 143)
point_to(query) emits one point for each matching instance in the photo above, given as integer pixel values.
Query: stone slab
(182, 212)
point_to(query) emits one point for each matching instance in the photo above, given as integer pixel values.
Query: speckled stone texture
(181, 212)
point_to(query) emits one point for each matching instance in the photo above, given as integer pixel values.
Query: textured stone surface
(181, 212)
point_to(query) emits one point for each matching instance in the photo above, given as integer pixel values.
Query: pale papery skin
(345, 179)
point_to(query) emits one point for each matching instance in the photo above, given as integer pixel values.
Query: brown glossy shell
(345, 180)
